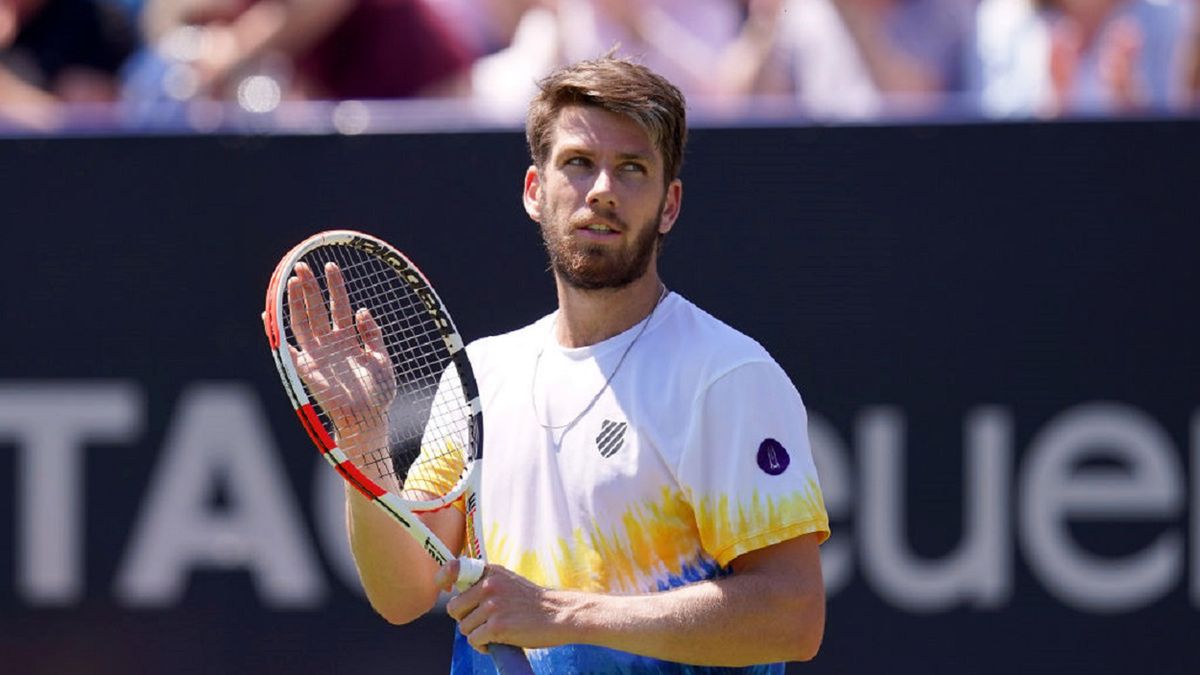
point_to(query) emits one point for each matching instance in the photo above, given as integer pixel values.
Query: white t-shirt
(696, 452)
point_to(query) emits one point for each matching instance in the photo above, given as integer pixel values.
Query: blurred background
(163, 64)
(967, 230)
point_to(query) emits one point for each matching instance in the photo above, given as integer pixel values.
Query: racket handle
(470, 570)
(509, 660)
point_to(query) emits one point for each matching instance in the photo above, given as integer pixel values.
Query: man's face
(600, 199)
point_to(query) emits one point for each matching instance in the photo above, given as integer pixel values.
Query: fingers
(471, 609)
(446, 576)
(369, 331)
(312, 323)
(1119, 55)
(298, 311)
(314, 303)
(471, 625)
(379, 362)
(504, 608)
(339, 301)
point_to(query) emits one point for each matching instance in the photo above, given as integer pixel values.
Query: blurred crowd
(825, 59)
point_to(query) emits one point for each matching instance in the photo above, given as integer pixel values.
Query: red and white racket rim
(298, 393)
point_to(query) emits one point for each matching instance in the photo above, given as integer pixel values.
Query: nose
(601, 193)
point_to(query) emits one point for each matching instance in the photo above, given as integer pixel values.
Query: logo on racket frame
(431, 549)
(412, 276)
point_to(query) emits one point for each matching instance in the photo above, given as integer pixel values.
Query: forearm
(288, 26)
(734, 621)
(25, 104)
(892, 70)
(16, 91)
(742, 63)
(395, 571)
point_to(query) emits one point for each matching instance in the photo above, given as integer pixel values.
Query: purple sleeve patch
(772, 457)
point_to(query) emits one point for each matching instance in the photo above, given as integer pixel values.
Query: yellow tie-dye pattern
(495, 544)
(576, 563)
(713, 519)
(805, 508)
(434, 472)
(527, 563)
(662, 537)
(653, 541)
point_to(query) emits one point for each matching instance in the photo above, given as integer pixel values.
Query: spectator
(505, 80)
(318, 49)
(716, 50)
(684, 40)
(1191, 61)
(59, 51)
(486, 26)
(860, 58)
(1054, 57)
(752, 65)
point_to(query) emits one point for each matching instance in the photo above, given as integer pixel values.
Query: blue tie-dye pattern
(589, 659)
(700, 570)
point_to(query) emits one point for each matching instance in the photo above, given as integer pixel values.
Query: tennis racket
(379, 379)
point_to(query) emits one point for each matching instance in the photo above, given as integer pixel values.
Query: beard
(594, 267)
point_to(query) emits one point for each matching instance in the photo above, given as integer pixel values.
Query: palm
(353, 384)
(341, 358)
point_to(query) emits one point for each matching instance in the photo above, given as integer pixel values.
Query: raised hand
(342, 359)
(1120, 56)
(1066, 52)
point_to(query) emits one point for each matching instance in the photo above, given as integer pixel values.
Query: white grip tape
(470, 570)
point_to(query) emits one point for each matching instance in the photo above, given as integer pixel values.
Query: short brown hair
(616, 85)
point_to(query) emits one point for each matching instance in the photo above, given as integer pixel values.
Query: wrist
(573, 616)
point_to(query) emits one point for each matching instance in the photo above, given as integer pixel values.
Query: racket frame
(509, 660)
(402, 510)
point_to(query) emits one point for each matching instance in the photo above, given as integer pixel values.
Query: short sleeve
(747, 467)
(438, 467)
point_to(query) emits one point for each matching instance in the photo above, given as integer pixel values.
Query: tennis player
(649, 497)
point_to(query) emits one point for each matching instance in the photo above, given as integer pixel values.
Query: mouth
(598, 228)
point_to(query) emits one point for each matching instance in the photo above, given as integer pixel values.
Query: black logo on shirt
(611, 438)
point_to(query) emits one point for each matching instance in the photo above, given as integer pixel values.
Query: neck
(586, 317)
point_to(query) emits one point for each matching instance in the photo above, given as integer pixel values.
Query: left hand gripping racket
(379, 378)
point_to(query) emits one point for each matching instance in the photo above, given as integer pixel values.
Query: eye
(578, 161)
(633, 167)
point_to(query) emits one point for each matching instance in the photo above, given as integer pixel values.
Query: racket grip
(470, 570)
(509, 660)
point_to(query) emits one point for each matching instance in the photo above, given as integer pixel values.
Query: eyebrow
(582, 150)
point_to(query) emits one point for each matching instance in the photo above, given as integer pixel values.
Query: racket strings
(420, 402)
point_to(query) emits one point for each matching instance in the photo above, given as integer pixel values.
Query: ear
(532, 193)
(671, 206)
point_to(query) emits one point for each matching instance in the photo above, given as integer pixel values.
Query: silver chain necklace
(537, 416)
